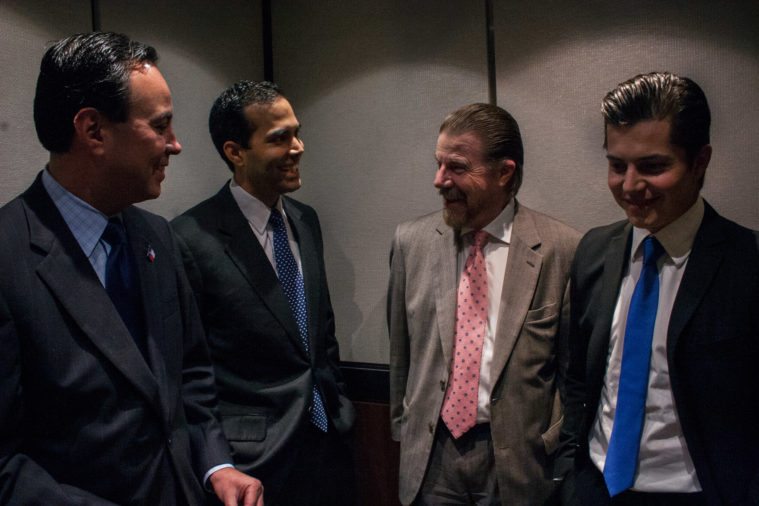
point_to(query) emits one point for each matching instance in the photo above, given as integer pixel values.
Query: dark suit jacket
(263, 372)
(84, 418)
(712, 351)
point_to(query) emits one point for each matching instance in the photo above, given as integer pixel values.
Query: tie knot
(480, 238)
(114, 233)
(652, 250)
(275, 219)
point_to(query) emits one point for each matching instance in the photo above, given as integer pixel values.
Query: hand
(234, 488)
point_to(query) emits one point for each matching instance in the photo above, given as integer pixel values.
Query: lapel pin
(151, 254)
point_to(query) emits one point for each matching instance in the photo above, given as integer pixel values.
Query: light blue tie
(622, 457)
(292, 284)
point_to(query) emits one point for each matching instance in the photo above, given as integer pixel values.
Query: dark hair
(227, 121)
(497, 130)
(85, 70)
(662, 96)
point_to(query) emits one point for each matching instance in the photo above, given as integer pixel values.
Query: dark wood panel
(376, 456)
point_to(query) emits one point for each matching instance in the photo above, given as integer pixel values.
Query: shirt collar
(500, 228)
(677, 237)
(256, 212)
(85, 222)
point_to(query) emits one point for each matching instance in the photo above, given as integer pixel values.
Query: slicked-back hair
(497, 130)
(85, 70)
(227, 120)
(662, 96)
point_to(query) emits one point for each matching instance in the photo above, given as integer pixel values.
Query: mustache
(451, 193)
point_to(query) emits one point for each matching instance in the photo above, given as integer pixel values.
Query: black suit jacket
(263, 372)
(712, 351)
(84, 418)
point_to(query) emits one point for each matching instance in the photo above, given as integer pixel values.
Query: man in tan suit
(478, 316)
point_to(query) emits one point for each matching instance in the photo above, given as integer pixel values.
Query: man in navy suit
(106, 389)
(255, 260)
(684, 385)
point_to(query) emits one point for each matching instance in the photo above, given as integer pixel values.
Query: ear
(88, 127)
(234, 153)
(506, 170)
(702, 159)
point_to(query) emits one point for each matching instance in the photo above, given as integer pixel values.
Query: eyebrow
(649, 158)
(281, 131)
(166, 116)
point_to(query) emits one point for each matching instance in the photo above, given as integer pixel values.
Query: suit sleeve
(22, 480)
(399, 338)
(209, 446)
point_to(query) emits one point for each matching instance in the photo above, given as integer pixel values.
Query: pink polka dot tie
(459, 411)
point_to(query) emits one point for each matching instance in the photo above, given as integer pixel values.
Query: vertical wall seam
(95, 15)
(266, 32)
(490, 37)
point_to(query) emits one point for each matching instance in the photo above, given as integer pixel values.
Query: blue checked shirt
(85, 222)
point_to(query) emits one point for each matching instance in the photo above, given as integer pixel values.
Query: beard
(454, 218)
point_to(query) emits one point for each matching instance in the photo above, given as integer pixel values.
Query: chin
(453, 219)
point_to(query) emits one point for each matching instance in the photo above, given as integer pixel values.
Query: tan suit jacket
(529, 352)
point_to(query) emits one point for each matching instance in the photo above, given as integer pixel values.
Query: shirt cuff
(206, 484)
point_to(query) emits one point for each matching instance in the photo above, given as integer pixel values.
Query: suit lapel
(250, 258)
(445, 253)
(73, 282)
(614, 262)
(520, 279)
(706, 255)
(309, 264)
(164, 358)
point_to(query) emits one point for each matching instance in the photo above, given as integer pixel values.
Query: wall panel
(555, 61)
(27, 28)
(371, 82)
(203, 47)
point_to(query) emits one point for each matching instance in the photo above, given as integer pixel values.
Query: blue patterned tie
(292, 284)
(622, 456)
(121, 282)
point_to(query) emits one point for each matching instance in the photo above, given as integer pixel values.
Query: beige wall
(371, 81)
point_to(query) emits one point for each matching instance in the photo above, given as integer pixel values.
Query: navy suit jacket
(712, 351)
(264, 374)
(84, 417)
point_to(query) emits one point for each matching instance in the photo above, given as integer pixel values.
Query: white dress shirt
(664, 463)
(257, 213)
(496, 252)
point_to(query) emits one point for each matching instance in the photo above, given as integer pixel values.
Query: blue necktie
(622, 456)
(292, 284)
(121, 282)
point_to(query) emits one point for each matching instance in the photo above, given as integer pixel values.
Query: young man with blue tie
(662, 397)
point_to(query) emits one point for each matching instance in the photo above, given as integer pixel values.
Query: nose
(297, 146)
(632, 180)
(441, 177)
(173, 147)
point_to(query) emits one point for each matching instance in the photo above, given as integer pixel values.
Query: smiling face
(474, 189)
(269, 166)
(137, 150)
(650, 177)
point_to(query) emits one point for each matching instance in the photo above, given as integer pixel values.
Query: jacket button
(169, 441)
(431, 426)
(442, 385)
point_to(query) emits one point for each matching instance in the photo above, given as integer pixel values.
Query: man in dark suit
(662, 395)
(504, 454)
(106, 392)
(255, 261)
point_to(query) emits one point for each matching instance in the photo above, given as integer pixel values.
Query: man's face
(137, 150)
(269, 166)
(474, 190)
(650, 177)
